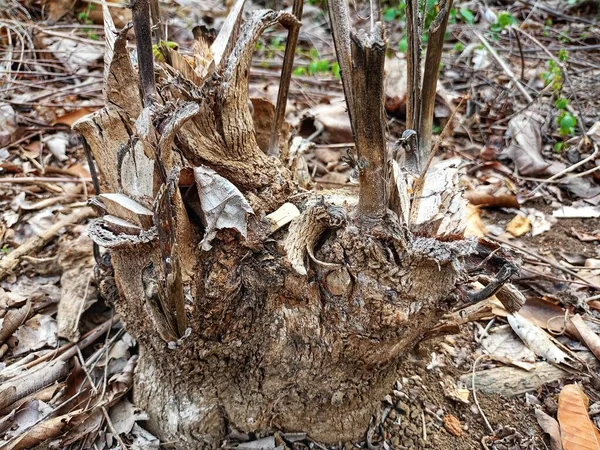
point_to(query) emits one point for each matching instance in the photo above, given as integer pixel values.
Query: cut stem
(286, 76)
(143, 40)
(368, 58)
(437, 32)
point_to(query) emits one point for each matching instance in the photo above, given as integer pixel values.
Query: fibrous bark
(255, 307)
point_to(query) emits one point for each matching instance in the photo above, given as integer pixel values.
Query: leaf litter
(58, 332)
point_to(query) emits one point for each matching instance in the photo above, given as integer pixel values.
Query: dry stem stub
(243, 325)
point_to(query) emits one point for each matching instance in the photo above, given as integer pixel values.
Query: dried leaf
(550, 427)
(519, 226)
(475, 226)
(71, 117)
(537, 340)
(44, 430)
(503, 345)
(13, 319)
(526, 145)
(224, 206)
(124, 415)
(486, 199)
(576, 429)
(577, 212)
(39, 331)
(395, 84)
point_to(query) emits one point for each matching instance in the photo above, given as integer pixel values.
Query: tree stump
(258, 305)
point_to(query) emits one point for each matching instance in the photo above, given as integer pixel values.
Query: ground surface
(51, 75)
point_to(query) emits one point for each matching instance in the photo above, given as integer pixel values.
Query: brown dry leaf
(77, 292)
(333, 120)
(526, 146)
(478, 198)
(590, 338)
(44, 430)
(550, 427)
(37, 332)
(453, 425)
(71, 117)
(475, 226)
(586, 237)
(592, 271)
(576, 429)
(13, 319)
(519, 226)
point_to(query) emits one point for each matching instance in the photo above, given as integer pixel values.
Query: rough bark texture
(299, 329)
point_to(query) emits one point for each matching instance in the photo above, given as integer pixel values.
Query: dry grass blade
(576, 429)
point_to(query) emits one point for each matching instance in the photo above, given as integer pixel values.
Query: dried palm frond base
(256, 304)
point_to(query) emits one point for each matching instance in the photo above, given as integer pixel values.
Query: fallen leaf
(576, 429)
(580, 212)
(38, 332)
(537, 340)
(525, 148)
(124, 415)
(57, 145)
(474, 226)
(503, 345)
(519, 226)
(73, 116)
(490, 200)
(550, 426)
(332, 119)
(394, 84)
(8, 124)
(453, 425)
(224, 206)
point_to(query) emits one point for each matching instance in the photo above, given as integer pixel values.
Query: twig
(12, 260)
(504, 67)
(27, 180)
(571, 168)
(475, 394)
(112, 429)
(553, 264)
(286, 76)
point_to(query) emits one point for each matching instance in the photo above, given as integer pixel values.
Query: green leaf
(323, 66)
(563, 55)
(312, 67)
(300, 71)
(403, 45)
(567, 124)
(506, 19)
(459, 47)
(561, 103)
(335, 69)
(389, 14)
(467, 15)
(558, 147)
